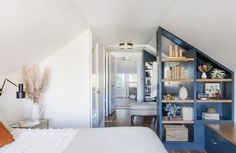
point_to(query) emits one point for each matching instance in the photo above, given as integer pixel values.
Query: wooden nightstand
(27, 124)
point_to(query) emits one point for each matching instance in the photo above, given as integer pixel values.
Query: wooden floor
(122, 118)
(174, 151)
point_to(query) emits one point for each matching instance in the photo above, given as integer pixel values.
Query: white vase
(183, 93)
(204, 76)
(36, 112)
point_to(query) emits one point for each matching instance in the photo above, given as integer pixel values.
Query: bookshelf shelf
(177, 59)
(178, 101)
(214, 80)
(165, 120)
(215, 101)
(177, 80)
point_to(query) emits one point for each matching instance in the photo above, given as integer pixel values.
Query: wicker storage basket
(176, 133)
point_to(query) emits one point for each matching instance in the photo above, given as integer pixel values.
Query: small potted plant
(35, 85)
(218, 74)
(204, 68)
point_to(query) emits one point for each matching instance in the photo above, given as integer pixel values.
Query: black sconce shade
(20, 94)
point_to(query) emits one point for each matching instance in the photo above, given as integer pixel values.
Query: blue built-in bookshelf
(187, 60)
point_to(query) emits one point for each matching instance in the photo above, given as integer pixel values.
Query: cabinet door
(214, 143)
(211, 142)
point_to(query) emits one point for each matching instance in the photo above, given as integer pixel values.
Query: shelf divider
(215, 101)
(177, 59)
(165, 120)
(214, 80)
(178, 101)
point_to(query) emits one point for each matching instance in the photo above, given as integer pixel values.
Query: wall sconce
(20, 94)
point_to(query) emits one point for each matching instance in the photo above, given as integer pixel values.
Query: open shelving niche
(192, 57)
(148, 60)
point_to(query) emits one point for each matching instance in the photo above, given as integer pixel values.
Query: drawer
(214, 143)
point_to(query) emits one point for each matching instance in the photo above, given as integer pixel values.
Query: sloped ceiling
(116, 21)
(209, 25)
(31, 30)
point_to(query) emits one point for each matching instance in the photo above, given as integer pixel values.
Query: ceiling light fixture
(126, 45)
(126, 58)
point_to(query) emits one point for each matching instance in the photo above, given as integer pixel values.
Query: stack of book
(176, 52)
(175, 73)
(210, 116)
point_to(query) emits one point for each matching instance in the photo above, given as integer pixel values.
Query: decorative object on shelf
(176, 53)
(183, 93)
(148, 82)
(218, 74)
(187, 113)
(213, 89)
(203, 96)
(168, 96)
(204, 69)
(216, 95)
(211, 114)
(172, 110)
(35, 85)
(168, 73)
(211, 110)
(204, 75)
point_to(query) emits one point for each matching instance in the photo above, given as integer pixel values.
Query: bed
(96, 140)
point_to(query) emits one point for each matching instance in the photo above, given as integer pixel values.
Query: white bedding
(101, 140)
(40, 141)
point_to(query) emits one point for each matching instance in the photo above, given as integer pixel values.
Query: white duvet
(40, 141)
(100, 140)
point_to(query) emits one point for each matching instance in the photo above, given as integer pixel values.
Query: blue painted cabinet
(215, 143)
(176, 72)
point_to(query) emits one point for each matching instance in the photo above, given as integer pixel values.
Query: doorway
(127, 84)
(125, 80)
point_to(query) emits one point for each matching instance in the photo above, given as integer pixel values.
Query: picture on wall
(212, 89)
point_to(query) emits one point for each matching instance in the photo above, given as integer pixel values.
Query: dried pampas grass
(35, 83)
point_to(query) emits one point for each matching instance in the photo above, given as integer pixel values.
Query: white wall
(67, 100)
(11, 108)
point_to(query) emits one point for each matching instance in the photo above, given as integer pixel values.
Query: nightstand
(27, 124)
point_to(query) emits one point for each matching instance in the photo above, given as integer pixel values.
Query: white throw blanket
(41, 141)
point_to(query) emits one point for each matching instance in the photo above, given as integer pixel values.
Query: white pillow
(5, 123)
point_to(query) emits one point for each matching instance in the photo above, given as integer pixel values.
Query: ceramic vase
(183, 93)
(36, 112)
(204, 76)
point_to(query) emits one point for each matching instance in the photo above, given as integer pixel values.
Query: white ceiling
(31, 30)
(117, 21)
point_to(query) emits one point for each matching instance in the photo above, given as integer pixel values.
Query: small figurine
(168, 96)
